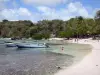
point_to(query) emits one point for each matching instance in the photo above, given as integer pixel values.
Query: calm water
(14, 61)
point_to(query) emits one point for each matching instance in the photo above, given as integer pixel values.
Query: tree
(97, 20)
(74, 27)
(37, 36)
(81, 26)
(5, 20)
(97, 15)
(33, 30)
(91, 26)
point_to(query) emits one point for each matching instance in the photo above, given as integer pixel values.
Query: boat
(32, 45)
(11, 45)
(7, 41)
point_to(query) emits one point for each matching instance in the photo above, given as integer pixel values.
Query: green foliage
(97, 15)
(33, 30)
(46, 35)
(5, 20)
(14, 28)
(63, 34)
(78, 26)
(37, 36)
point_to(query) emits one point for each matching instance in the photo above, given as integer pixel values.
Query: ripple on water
(38, 61)
(32, 62)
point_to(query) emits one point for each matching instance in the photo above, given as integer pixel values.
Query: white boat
(32, 45)
(11, 45)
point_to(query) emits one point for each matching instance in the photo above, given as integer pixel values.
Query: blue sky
(36, 10)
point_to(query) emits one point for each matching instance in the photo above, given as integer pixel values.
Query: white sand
(90, 65)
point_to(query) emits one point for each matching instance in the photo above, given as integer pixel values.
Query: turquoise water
(43, 61)
(76, 50)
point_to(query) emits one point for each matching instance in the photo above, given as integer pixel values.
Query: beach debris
(58, 67)
(96, 65)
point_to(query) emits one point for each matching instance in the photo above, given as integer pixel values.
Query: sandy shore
(90, 65)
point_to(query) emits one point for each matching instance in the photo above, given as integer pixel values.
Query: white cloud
(45, 2)
(72, 10)
(45, 12)
(24, 12)
(72, 7)
(17, 14)
(83, 12)
(78, 9)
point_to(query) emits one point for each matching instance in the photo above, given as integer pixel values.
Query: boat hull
(31, 46)
(11, 45)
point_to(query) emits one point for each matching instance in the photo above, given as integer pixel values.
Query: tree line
(79, 27)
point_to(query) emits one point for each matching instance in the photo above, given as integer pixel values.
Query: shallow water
(45, 61)
(78, 51)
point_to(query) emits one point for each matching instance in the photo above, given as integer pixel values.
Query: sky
(36, 10)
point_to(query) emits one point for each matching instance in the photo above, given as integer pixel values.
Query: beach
(90, 65)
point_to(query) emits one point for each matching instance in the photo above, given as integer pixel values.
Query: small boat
(8, 41)
(11, 45)
(32, 45)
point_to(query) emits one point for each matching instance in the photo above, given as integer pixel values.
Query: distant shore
(90, 65)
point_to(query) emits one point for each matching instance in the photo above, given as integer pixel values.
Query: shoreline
(90, 65)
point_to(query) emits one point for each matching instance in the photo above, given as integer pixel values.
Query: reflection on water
(42, 61)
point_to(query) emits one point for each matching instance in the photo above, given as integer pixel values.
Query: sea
(40, 61)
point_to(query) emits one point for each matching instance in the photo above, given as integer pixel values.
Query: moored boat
(11, 45)
(7, 41)
(32, 45)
